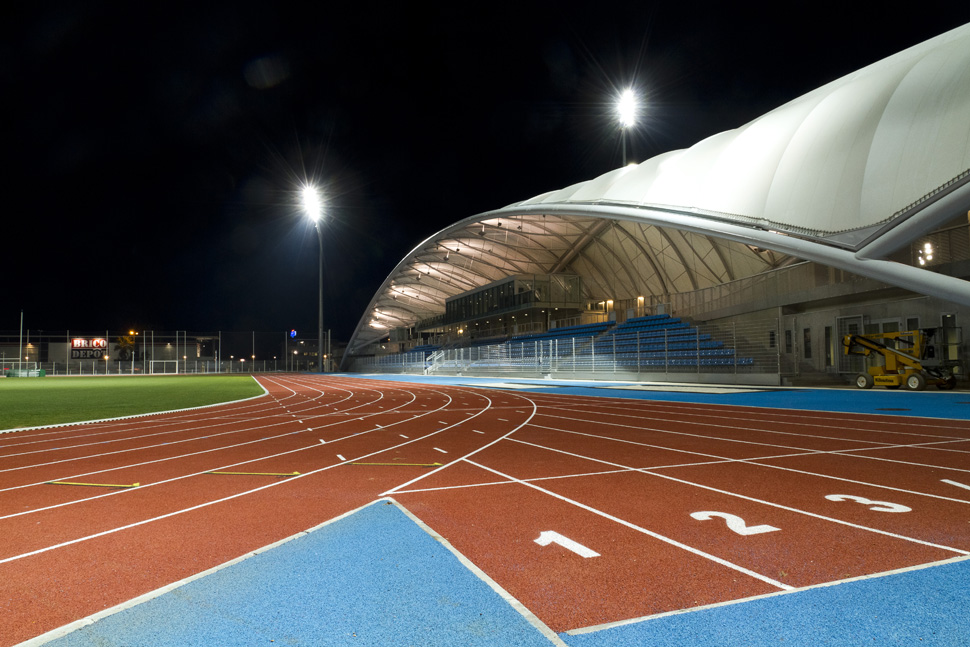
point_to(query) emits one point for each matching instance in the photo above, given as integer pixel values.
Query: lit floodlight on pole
(312, 204)
(313, 207)
(627, 110)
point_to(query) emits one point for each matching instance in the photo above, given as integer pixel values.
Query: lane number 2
(877, 506)
(734, 523)
(552, 537)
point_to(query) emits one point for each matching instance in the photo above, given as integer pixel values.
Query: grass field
(30, 402)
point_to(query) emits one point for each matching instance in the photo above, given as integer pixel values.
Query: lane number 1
(552, 537)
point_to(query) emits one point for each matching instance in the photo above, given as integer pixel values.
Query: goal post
(163, 366)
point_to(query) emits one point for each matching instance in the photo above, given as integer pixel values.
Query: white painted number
(552, 537)
(734, 523)
(877, 506)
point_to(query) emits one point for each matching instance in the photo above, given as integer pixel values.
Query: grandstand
(846, 210)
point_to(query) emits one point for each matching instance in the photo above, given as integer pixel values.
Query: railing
(786, 285)
(745, 353)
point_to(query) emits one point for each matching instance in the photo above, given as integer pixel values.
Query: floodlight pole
(313, 206)
(316, 225)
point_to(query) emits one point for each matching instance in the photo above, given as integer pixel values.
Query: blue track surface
(372, 578)
(930, 606)
(377, 578)
(931, 403)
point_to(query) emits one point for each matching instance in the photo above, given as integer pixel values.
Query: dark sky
(153, 155)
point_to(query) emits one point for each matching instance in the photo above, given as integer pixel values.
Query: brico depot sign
(89, 348)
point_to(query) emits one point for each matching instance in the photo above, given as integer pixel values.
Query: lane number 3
(734, 523)
(877, 506)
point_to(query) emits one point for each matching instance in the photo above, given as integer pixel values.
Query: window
(788, 341)
(807, 342)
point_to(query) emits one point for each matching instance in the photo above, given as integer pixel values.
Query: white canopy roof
(844, 176)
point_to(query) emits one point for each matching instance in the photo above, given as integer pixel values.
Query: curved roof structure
(843, 176)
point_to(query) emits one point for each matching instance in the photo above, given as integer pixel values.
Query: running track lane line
(748, 498)
(754, 461)
(799, 420)
(234, 496)
(180, 456)
(623, 522)
(472, 453)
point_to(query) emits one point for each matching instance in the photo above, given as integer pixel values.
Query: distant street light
(313, 207)
(627, 110)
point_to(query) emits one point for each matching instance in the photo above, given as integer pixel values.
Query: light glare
(627, 108)
(312, 204)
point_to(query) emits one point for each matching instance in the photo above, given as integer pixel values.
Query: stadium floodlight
(627, 111)
(313, 207)
(312, 204)
(627, 107)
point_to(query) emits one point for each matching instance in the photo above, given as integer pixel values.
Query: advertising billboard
(89, 347)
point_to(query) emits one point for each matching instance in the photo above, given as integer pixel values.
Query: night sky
(154, 150)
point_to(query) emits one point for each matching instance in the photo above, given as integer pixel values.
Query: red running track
(587, 510)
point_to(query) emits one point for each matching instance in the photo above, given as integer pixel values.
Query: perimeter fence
(151, 352)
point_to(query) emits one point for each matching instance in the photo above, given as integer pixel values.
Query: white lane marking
(211, 422)
(482, 575)
(755, 461)
(633, 526)
(949, 482)
(341, 457)
(196, 507)
(488, 405)
(437, 449)
(634, 409)
(748, 498)
(402, 436)
(547, 537)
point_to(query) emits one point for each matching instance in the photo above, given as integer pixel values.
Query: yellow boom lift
(908, 358)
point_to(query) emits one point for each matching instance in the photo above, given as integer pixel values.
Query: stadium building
(746, 258)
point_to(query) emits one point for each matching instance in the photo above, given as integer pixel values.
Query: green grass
(30, 402)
